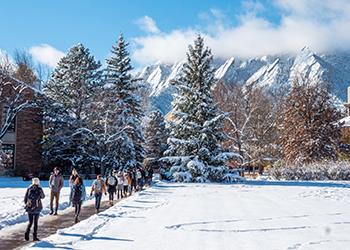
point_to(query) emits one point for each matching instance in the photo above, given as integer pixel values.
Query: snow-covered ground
(12, 191)
(252, 215)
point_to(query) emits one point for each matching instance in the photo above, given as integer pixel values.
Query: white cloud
(147, 24)
(46, 54)
(321, 25)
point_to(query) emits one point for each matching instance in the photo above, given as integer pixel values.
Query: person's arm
(42, 195)
(104, 189)
(61, 183)
(26, 196)
(50, 182)
(92, 188)
(83, 194)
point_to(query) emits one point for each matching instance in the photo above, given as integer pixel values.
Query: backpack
(111, 181)
(33, 199)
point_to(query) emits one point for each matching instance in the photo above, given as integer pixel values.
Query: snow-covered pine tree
(70, 93)
(194, 151)
(309, 127)
(125, 107)
(156, 136)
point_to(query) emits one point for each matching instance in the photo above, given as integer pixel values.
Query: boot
(51, 212)
(35, 238)
(76, 220)
(26, 236)
(55, 212)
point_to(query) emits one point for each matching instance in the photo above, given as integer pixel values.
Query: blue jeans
(98, 198)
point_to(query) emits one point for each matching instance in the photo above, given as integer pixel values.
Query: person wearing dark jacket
(77, 196)
(111, 183)
(33, 206)
(55, 184)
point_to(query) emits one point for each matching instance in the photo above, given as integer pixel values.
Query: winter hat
(36, 181)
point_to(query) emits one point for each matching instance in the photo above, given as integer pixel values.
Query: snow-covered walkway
(255, 215)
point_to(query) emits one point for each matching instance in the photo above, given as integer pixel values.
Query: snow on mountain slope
(267, 71)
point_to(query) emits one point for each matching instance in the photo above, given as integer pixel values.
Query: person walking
(98, 188)
(129, 178)
(138, 179)
(55, 183)
(73, 177)
(125, 184)
(77, 196)
(120, 186)
(111, 187)
(33, 206)
(150, 176)
(133, 180)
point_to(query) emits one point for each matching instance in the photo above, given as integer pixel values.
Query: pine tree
(124, 107)
(308, 128)
(156, 136)
(194, 151)
(69, 108)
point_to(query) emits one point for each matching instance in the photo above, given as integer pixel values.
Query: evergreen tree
(156, 136)
(308, 127)
(69, 108)
(194, 152)
(123, 108)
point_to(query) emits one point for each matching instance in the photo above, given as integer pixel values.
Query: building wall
(29, 133)
(26, 139)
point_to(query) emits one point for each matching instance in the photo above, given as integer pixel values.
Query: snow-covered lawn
(12, 191)
(253, 215)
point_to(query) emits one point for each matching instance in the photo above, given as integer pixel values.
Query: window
(3, 116)
(9, 156)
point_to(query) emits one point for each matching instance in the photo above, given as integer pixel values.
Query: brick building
(21, 143)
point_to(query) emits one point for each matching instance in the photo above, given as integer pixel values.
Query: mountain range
(266, 71)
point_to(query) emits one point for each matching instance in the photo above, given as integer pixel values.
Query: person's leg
(35, 233)
(30, 223)
(99, 200)
(57, 199)
(51, 202)
(79, 209)
(96, 201)
(75, 210)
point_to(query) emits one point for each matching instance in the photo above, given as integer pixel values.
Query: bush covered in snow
(312, 171)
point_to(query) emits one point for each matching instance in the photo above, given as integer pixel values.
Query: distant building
(21, 144)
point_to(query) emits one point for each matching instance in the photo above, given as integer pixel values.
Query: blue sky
(231, 27)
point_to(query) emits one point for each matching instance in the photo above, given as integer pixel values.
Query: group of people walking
(120, 183)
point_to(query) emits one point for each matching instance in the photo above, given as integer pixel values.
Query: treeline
(97, 117)
(297, 123)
